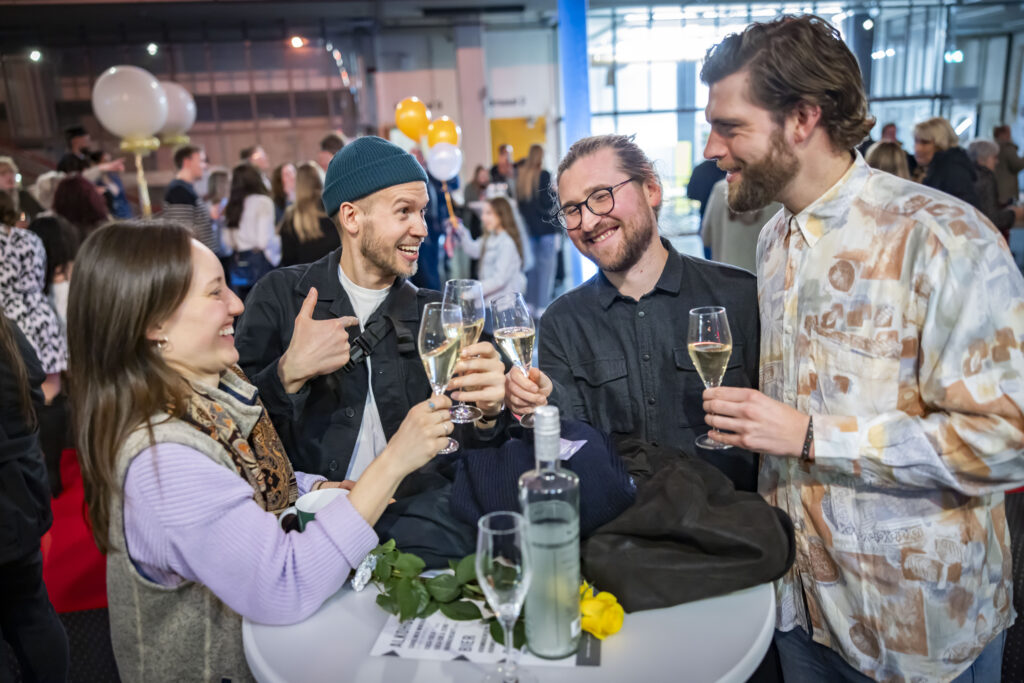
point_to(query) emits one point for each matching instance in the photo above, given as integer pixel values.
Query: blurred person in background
(45, 188)
(282, 189)
(28, 621)
(503, 172)
(109, 180)
(257, 156)
(888, 156)
(307, 234)
(22, 279)
(250, 231)
(76, 159)
(181, 202)
(499, 251)
(1008, 166)
(330, 145)
(536, 201)
(25, 205)
(985, 155)
(81, 203)
(732, 235)
(941, 163)
(218, 187)
(60, 241)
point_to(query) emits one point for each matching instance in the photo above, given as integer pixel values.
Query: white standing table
(720, 639)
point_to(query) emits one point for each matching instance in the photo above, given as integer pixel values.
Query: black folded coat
(689, 535)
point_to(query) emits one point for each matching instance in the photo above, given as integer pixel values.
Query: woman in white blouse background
(250, 231)
(499, 249)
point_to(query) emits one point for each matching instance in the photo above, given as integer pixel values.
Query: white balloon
(129, 102)
(444, 161)
(181, 109)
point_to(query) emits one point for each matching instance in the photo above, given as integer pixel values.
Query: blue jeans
(803, 660)
(540, 281)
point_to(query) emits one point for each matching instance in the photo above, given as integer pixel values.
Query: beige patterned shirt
(894, 315)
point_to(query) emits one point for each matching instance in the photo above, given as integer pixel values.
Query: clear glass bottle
(550, 500)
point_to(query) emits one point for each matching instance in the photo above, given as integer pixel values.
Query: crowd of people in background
(983, 174)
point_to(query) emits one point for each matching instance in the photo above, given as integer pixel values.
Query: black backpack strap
(379, 328)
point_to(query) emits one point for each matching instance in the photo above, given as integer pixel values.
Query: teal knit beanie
(364, 166)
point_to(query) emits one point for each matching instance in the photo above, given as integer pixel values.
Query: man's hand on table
(318, 347)
(524, 393)
(754, 422)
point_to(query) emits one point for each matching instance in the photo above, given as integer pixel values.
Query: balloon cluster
(444, 158)
(133, 105)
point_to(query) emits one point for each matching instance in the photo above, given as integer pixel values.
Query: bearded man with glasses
(613, 350)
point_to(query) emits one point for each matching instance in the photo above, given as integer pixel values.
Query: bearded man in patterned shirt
(891, 375)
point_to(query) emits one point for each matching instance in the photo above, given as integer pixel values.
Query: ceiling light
(35, 55)
(298, 41)
(868, 24)
(152, 49)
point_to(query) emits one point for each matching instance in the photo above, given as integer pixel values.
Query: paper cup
(308, 505)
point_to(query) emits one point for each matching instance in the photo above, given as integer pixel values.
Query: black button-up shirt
(622, 365)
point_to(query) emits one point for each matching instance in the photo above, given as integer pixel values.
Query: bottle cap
(546, 422)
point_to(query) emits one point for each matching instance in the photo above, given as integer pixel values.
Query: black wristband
(805, 454)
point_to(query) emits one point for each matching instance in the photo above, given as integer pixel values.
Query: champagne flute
(503, 571)
(709, 342)
(469, 295)
(515, 334)
(440, 329)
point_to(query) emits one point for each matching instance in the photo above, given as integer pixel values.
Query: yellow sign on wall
(519, 132)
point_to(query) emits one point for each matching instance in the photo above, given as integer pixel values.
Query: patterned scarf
(260, 459)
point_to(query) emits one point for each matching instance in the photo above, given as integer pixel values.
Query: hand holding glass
(709, 342)
(440, 330)
(503, 571)
(515, 334)
(469, 296)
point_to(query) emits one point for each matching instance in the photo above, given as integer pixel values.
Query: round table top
(718, 639)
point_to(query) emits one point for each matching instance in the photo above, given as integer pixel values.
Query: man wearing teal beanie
(312, 336)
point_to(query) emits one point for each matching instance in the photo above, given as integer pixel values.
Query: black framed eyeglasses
(600, 202)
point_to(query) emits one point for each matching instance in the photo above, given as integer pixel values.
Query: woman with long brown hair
(307, 234)
(185, 474)
(537, 207)
(250, 229)
(499, 250)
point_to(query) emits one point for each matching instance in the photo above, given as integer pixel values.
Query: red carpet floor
(73, 568)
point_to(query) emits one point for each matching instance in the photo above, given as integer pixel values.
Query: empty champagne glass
(440, 329)
(469, 295)
(503, 571)
(515, 334)
(709, 342)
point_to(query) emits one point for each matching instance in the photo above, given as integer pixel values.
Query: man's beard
(636, 238)
(763, 181)
(380, 254)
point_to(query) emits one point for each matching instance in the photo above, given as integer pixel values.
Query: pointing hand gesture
(318, 347)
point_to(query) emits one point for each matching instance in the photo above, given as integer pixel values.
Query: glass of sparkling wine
(503, 570)
(440, 330)
(469, 295)
(515, 334)
(709, 342)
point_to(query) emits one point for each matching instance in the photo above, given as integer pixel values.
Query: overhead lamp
(152, 49)
(298, 41)
(35, 55)
(868, 24)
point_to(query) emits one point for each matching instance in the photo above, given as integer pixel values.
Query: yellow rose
(602, 614)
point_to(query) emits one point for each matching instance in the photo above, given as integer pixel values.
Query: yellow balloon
(443, 130)
(412, 117)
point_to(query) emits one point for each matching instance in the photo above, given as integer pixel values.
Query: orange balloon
(412, 117)
(443, 130)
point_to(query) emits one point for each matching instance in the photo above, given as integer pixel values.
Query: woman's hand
(481, 378)
(525, 394)
(423, 432)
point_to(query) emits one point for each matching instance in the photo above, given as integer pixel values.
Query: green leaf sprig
(403, 592)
